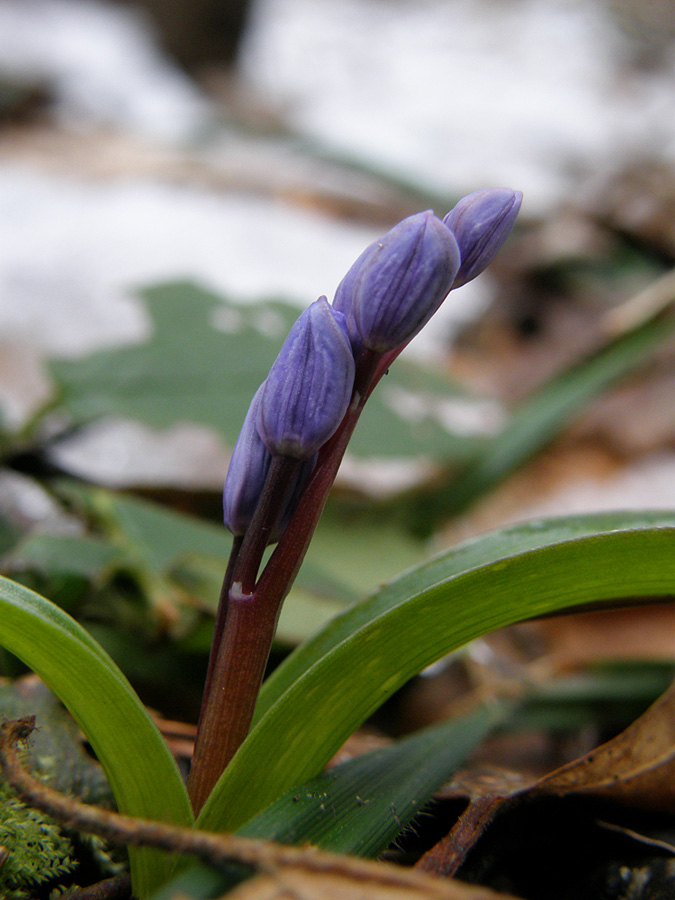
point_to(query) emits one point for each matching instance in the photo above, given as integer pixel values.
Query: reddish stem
(219, 624)
(247, 630)
(237, 675)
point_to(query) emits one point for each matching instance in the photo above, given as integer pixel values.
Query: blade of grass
(489, 548)
(361, 806)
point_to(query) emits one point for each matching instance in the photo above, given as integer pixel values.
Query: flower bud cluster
(384, 300)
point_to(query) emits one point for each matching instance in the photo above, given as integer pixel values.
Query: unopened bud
(481, 222)
(309, 386)
(398, 283)
(246, 474)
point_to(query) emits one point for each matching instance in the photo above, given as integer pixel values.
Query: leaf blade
(310, 720)
(361, 806)
(518, 538)
(141, 771)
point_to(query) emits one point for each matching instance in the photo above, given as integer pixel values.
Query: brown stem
(282, 567)
(278, 484)
(117, 888)
(241, 642)
(219, 624)
(237, 675)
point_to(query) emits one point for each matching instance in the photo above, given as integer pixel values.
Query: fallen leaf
(637, 768)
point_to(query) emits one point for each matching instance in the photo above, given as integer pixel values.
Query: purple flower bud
(344, 295)
(246, 473)
(481, 222)
(246, 476)
(309, 386)
(398, 283)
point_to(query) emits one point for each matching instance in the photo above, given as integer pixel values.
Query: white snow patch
(458, 95)
(103, 64)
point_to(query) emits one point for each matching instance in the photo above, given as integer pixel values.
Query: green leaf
(361, 806)
(488, 549)
(538, 420)
(192, 371)
(63, 554)
(141, 771)
(188, 370)
(148, 535)
(328, 688)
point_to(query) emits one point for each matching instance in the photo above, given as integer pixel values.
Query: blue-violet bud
(481, 222)
(310, 384)
(398, 283)
(246, 476)
(247, 471)
(344, 295)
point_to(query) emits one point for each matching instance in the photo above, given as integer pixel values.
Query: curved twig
(217, 850)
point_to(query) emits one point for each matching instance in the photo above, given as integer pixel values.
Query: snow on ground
(103, 65)
(73, 251)
(528, 93)
(452, 95)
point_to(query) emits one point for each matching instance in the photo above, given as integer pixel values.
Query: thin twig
(117, 888)
(648, 303)
(217, 850)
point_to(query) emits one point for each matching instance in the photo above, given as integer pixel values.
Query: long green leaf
(141, 771)
(361, 806)
(543, 568)
(487, 549)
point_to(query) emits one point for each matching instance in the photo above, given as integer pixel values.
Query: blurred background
(255, 147)
(179, 177)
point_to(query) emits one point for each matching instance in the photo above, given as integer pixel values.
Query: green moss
(36, 850)
(41, 858)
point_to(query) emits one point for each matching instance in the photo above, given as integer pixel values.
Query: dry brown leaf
(637, 767)
(488, 790)
(378, 881)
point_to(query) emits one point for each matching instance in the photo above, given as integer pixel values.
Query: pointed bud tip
(481, 222)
